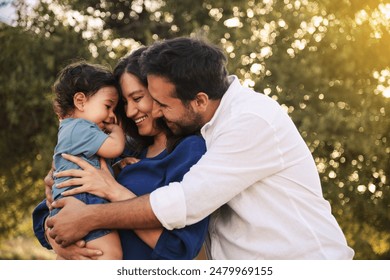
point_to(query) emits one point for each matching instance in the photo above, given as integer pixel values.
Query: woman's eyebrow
(133, 92)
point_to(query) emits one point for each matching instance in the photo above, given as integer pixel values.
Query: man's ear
(200, 102)
(79, 99)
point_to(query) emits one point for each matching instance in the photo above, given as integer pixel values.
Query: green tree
(31, 56)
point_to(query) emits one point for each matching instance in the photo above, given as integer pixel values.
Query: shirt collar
(234, 83)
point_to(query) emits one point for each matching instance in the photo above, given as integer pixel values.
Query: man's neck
(211, 109)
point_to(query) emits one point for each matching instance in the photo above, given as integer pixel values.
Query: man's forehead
(160, 87)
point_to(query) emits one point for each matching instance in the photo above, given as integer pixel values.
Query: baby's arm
(114, 144)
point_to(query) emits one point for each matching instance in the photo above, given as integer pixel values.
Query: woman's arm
(184, 243)
(181, 244)
(39, 215)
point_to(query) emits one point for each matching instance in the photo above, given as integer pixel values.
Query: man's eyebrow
(158, 102)
(161, 104)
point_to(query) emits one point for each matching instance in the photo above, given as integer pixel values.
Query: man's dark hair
(192, 65)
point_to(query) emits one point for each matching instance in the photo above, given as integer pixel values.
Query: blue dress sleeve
(39, 216)
(183, 243)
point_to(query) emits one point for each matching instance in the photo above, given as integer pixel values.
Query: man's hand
(70, 224)
(77, 251)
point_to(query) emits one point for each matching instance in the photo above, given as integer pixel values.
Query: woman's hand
(90, 179)
(76, 251)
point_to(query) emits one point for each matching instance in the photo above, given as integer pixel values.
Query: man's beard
(186, 128)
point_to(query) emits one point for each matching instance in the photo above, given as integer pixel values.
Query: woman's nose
(131, 111)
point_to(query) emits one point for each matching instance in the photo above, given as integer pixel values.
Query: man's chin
(176, 131)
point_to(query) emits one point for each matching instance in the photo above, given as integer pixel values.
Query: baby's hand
(119, 165)
(110, 127)
(127, 161)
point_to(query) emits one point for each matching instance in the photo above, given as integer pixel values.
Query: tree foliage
(326, 62)
(29, 61)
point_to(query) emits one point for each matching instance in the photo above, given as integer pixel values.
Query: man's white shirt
(259, 180)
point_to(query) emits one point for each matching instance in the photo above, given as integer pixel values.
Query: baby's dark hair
(79, 77)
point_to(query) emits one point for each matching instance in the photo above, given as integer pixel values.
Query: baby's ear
(79, 100)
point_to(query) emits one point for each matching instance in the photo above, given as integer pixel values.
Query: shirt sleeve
(39, 215)
(244, 150)
(87, 138)
(183, 243)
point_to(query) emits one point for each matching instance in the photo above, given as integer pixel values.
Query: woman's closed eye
(137, 99)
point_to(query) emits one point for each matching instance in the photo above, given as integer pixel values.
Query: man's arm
(236, 159)
(134, 213)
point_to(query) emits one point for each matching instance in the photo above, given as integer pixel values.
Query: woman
(163, 158)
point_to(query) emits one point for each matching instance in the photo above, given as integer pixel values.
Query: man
(257, 177)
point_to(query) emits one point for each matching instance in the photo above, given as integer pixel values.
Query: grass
(24, 248)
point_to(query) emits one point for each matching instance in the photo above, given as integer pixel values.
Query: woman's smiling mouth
(139, 120)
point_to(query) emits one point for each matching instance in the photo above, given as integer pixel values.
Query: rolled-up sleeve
(170, 216)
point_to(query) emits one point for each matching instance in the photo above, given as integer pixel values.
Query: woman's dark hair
(136, 143)
(192, 65)
(79, 77)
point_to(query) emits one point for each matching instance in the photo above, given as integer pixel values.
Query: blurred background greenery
(327, 62)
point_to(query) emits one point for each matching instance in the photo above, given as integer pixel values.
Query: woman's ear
(79, 100)
(200, 102)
